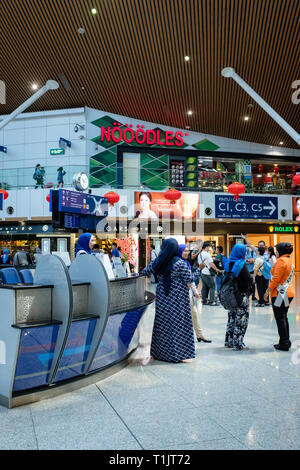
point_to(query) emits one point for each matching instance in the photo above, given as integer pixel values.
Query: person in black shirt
(238, 318)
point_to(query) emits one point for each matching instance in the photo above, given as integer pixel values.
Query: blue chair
(10, 276)
(26, 276)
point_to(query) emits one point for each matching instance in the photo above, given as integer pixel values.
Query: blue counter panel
(77, 348)
(35, 357)
(117, 336)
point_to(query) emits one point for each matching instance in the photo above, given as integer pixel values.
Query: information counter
(71, 328)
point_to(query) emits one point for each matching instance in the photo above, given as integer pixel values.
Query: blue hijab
(237, 256)
(181, 250)
(5, 256)
(83, 243)
(163, 264)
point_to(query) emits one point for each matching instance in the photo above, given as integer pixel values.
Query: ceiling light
(246, 118)
(186, 58)
(34, 86)
(94, 11)
(281, 143)
(190, 113)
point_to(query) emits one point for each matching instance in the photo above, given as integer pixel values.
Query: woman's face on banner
(145, 202)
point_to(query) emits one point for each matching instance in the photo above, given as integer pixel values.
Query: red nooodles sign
(140, 135)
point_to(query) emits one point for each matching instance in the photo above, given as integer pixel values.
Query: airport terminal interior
(150, 227)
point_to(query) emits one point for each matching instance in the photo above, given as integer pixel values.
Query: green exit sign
(57, 151)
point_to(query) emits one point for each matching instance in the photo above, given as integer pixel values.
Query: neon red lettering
(178, 136)
(141, 131)
(114, 138)
(158, 141)
(105, 134)
(128, 141)
(150, 133)
(169, 138)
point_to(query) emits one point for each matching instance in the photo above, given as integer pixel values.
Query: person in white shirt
(272, 256)
(208, 279)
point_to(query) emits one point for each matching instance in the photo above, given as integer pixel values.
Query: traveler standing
(84, 244)
(220, 262)
(194, 294)
(20, 258)
(261, 281)
(250, 259)
(282, 293)
(6, 257)
(60, 176)
(238, 318)
(114, 251)
(272, 256)
(153, 256)
(173, 335)
(208, 274)
(193, 261)
(38, 175)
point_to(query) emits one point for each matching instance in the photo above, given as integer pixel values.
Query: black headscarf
(284, 248)
(163, 264)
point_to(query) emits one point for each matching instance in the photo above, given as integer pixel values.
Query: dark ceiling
(130, 60)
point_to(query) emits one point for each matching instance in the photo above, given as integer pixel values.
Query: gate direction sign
(247, 207)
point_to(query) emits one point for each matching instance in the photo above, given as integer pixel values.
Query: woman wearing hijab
(184, 254)
(84, 244)
(282, 293)
(173, 335)
(6, 258)
(238, 318)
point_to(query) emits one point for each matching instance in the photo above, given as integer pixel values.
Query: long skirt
(237, 325)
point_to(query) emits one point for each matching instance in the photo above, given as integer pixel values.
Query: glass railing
(209, 180)
(22, 178)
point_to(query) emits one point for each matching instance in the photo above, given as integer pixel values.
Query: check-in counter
(67, 329)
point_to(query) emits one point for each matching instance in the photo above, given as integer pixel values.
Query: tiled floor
(223, 400)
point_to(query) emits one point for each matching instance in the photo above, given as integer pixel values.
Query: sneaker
(259, 305)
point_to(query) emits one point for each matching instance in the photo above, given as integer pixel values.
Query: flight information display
(75, 210)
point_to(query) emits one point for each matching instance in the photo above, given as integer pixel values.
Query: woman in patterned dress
(238, 318)
(173, 335)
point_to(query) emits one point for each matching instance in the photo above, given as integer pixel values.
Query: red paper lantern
(260, 168)
(48, 197)
(172, 195)
(296, 179)
(5, 193)
(112, 198)
(236, 189)
(276, 169)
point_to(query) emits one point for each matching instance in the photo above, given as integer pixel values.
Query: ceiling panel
(130, 61)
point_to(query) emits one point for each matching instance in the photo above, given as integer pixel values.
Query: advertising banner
(150, 205)
(296, 208)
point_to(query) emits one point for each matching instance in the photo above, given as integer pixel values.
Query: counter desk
(69, 329)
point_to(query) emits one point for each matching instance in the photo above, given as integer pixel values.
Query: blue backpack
(266, 272)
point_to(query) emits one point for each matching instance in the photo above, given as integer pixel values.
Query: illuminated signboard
(57, 151)
(284, 229)
(126, 133)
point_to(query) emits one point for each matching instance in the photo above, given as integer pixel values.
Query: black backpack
(229, 294)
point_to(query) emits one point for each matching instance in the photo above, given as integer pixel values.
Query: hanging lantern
(260, 168)
(294, 169)
(276, 169)
(5, 194)
(48, 198)
(236, 189)
(112, 198)
(172, 195)
(296, 179)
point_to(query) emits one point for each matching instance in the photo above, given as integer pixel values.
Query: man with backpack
(38, 175)
(208, 273)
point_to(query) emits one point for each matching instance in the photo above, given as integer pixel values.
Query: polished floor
(225, 399)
